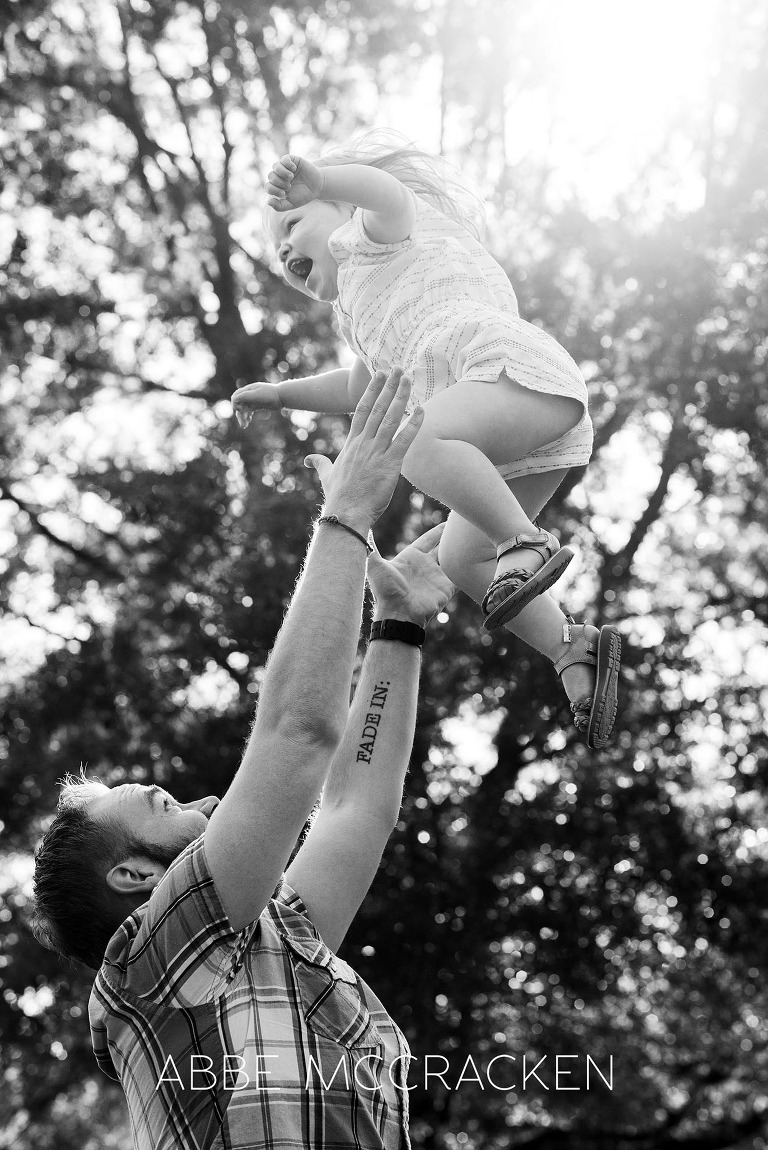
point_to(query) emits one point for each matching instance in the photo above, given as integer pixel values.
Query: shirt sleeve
(351, 239)
(185, 949)
(286, 894)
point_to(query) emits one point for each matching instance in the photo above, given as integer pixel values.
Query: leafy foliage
(535, 900)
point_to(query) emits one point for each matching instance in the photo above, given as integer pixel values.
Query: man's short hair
(76, 911)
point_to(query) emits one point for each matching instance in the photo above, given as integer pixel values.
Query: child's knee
(419, 458)
(450, 560)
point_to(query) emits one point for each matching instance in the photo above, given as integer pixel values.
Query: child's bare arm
(388, 206)
(359, 378)
(327, 392)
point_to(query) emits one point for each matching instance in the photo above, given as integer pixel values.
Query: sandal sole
(539, 582)
(606, 697)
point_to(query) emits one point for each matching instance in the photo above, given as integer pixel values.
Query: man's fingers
(430, 540)
(382, 405)
(375, 560)
(388, 419)
(384, 399)
(409, 432)
(366, 403)
(320, 463)
(323, 466)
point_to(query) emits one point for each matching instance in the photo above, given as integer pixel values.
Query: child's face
(301, 238)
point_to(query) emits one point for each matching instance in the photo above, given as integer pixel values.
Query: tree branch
(614, 423)
(225, 285)
(41, 626)
(218, 97)
(81, 553)
(617, 567)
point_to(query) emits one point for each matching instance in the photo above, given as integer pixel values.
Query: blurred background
(536, 899)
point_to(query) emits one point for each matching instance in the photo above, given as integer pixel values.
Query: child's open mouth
(300, 268)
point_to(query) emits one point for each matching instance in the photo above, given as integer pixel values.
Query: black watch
(399, 629)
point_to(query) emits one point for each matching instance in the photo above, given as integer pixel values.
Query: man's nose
(207, 805)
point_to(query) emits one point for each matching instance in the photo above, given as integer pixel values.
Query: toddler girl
(386, 237)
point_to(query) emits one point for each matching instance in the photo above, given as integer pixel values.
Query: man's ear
(135, 875)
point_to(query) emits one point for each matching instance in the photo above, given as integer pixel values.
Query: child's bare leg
(471, 428)
(469, 560)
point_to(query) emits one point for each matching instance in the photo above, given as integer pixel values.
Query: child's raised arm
(331, 392)
(389, 211)
(388, 206)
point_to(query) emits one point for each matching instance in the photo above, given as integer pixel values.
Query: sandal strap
(542, 541)
(583, 650)
(516, 577)
(581, 712)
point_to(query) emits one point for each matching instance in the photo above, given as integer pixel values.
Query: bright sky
(614, 77)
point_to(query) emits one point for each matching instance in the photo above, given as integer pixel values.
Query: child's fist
(292, 183)
(252, 397)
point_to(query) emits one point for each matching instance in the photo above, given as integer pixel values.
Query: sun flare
(610, 84)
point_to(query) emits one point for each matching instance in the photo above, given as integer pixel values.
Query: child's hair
(428, 176)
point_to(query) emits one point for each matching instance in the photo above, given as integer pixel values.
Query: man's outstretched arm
(361, 801)
(303, 705)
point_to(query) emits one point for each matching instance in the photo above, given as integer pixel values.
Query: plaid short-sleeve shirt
(243, 1041)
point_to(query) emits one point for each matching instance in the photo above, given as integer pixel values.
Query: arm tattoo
(372, 720)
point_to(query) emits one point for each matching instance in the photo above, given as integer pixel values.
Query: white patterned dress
(438, 305)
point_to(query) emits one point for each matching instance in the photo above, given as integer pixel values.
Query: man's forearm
(372, 758)
(305, 697)
(361, 803)
(321, 630)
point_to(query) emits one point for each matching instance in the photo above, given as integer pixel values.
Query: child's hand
(251, 398)
(292, 183)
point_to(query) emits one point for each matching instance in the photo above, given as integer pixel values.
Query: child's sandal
(595, 717)
(509, 593)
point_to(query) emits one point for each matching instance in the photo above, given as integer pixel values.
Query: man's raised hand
(412, 585)
(359, 485)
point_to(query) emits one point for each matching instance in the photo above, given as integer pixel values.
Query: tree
(542, 902)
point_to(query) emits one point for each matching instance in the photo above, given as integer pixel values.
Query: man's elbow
(376, 817)
(291, 714)
(304, 727)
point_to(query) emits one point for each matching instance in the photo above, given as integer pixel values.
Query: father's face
(152, 816)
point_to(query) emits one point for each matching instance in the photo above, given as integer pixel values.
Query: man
(220, 1005)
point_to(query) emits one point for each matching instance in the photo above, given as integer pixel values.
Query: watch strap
(399, 629)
